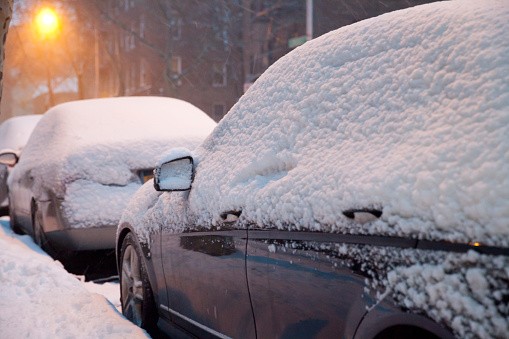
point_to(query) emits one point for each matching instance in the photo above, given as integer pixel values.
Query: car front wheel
(39, 236)
(137, 299)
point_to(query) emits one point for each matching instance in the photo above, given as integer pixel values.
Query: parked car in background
(359, 189)
(84, 161)
(14, 134)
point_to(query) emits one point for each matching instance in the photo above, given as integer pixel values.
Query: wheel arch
(123, 231)
(148, 309)
(406, 331)
(381, 320)
(148, 260)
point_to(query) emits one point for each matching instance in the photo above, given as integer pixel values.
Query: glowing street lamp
(47, 22)
(47, 26)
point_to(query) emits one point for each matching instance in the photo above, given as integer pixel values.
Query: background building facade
(207, 52)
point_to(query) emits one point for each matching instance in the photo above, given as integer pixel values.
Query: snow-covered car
(84, 161)
(14, 134)
(358, 189)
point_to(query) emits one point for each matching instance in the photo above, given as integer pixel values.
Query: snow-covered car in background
(14, 134)
(84, 161)
(359, 189)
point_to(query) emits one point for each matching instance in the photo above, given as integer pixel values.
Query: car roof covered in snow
(102, 140)
(406, 113)
(15, 131)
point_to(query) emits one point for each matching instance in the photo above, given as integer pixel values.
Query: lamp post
(309, 20)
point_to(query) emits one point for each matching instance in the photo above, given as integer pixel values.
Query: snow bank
(110, 290)
(39, 299)
(407, 112)
(101, 143)
(14, 132)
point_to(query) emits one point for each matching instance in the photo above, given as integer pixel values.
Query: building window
(176, 68)
(131, 38)
(143, 73)
(176, 29)
(133, 77)
(121, 38)
(218, 75)
(219, 111)
(127, 82)
(127, 41)
(142, 26)
(113, 87)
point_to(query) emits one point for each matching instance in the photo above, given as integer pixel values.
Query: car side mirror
(174, 175)
(9, 158)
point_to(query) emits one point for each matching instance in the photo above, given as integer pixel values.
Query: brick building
(208, 52)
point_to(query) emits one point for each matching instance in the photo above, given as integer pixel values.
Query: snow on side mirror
(9, 158)
(174, 175)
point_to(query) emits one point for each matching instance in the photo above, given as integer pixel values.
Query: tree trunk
(5, 19)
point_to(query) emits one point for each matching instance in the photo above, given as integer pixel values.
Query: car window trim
(375, 240)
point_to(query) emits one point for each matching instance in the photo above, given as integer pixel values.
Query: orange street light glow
(47, 21)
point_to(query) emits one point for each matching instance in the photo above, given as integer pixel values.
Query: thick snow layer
(173, 154)
(407, 112)
(466, 291)
(14, 132)
(141, 214)
(87, 152)
(110, 290)
(39, 299)
(89, 204)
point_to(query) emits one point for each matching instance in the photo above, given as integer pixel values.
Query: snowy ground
(40, 299)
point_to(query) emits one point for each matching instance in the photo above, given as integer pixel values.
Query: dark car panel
(153, 263)
(331, 298)
(333, 290)
(207, 287)
(206, 282)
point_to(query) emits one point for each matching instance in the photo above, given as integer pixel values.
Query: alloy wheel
(132, 286)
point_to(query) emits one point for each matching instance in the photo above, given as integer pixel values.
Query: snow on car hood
(103, 140)
(407, 112)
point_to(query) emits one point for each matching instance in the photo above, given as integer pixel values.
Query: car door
(301, 288)
(206, 281)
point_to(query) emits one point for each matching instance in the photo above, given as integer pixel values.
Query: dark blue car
(357, 190)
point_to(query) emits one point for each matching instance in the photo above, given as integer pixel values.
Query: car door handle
(230, 216)
(363, 215)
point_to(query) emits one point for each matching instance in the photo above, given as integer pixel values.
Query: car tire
(38, 232)
(136, 294)
(4, 211)
(39, 236)
(14, 225)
